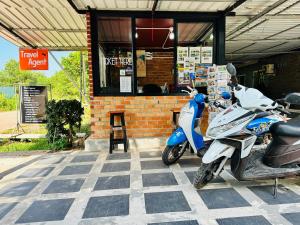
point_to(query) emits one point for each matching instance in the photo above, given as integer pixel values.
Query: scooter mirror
(192, 76)
(231, 69)
(226, 95)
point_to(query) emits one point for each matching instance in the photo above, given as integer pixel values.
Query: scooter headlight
(216, 131)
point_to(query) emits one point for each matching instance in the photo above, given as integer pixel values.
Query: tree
(12, 75)
(62, 86)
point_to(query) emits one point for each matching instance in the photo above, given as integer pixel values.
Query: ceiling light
(136, 35)
(171, 34)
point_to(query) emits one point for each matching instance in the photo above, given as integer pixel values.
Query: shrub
(62, 117)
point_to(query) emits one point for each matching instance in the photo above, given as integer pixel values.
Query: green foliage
(62, 118)
(7, 104)
(12, 75)
(39, 144)
(62, 87)
(59, 144)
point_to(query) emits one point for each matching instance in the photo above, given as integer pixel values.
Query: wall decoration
(141, 63)
(182, 52)
(206, 55)
(196, 53)
(201, 71)
(183, 76)
(189, 64)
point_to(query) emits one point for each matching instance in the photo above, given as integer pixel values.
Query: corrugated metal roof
(260, 27)
(277, 30)
(45, 23)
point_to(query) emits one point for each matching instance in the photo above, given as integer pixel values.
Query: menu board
(33, 104)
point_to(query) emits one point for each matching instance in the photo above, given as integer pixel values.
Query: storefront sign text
(114, 61)
(33, 59)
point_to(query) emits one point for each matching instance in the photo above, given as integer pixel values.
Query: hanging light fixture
(171, 33)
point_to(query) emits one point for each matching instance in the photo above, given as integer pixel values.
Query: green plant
(62, 118)
(60, 144)
(7, 104)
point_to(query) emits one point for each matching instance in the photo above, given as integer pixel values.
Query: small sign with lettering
(33, 59)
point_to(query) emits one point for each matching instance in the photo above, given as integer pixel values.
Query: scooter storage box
(285, 145)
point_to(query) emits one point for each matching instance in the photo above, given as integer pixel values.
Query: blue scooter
(188, 133)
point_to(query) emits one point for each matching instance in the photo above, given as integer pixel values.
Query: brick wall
(89, 47)
(145, 116)
(159, 69)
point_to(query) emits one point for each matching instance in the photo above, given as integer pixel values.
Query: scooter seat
(290, 128)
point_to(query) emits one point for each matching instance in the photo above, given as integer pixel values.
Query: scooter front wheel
(172, 153)
(205, 174)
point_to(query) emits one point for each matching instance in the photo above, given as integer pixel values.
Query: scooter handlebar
(283, 111)
(188, 87)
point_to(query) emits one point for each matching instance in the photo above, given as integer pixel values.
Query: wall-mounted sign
(118, 61)
(33, 59)
(206, 55)
(125, 84)
(33, 104)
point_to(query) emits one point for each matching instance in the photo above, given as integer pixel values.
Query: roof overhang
(254, 29)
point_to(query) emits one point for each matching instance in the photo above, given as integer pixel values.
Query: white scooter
(232, 140)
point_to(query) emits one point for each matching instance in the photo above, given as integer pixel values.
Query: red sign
(33, 59)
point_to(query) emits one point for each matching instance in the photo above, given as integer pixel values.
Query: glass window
(155, 56)
(115, 55)
(194, 52)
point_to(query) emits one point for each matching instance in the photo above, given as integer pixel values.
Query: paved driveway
(137, 189)
(8, 120)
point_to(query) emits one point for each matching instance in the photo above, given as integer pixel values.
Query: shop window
(155, 56)
(194, 53)
(115, 55)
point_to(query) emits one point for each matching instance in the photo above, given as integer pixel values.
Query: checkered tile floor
(135, 188)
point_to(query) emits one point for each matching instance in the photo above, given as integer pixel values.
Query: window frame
(217, 19)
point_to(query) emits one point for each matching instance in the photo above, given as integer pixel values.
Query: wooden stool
(176, 112)
(112, 140)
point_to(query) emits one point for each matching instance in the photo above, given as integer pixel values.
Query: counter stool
(176, 112)
(112, 140)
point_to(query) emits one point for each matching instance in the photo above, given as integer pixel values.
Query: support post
(219, 34)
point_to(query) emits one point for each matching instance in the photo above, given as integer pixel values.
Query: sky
(10, 51)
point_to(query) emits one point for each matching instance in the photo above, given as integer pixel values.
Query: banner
(33, 104)
(33, 59)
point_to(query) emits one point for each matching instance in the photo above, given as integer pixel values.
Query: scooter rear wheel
(172, 153)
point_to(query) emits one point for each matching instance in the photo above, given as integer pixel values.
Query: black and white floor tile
(136, 188)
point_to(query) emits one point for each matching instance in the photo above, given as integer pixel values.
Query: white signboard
(125, 84)
(196, 53)
(206, 55)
